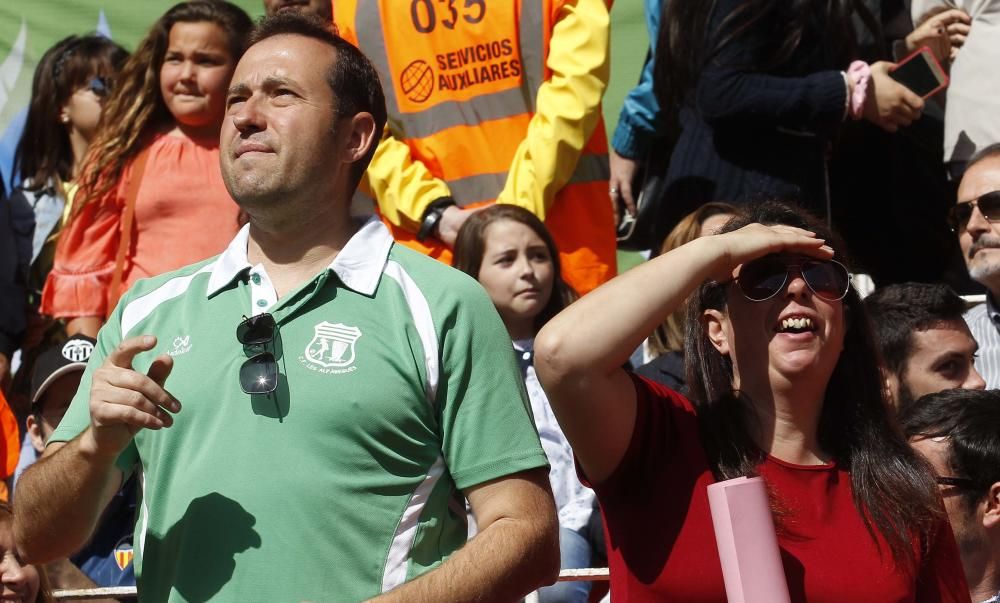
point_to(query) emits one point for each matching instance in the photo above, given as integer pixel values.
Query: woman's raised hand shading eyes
(757, 240)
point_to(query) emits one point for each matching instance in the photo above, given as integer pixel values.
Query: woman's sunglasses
(100, 86)
(764, 278)
(988, 204)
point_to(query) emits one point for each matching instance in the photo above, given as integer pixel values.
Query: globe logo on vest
(417, 81)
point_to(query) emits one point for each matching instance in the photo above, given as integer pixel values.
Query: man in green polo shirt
(382, 387)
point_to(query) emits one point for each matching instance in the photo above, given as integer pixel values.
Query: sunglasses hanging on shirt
(259, 374)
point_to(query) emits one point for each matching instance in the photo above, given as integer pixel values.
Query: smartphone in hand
(921, 73)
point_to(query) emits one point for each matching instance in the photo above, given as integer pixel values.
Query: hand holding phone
(888, 103)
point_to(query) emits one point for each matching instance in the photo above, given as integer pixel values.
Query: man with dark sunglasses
(925, 345)
(976, 220)
(312, 407)
(958, 432)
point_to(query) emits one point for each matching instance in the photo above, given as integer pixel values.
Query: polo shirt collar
(359, 264)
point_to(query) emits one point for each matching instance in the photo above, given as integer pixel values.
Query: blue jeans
(574, 553)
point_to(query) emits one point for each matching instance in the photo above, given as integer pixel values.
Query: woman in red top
(167, 106)
(785, 383)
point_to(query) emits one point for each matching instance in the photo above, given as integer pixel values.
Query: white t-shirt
(574, 500)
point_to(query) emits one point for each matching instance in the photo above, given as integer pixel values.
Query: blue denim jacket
(640, 119)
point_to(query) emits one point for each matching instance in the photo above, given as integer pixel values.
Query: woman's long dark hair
(687, 40)
(893, 491)
(669, 336)
(44, 156)
(471, 244)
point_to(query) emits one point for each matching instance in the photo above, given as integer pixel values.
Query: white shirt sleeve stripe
(396, 562)
(142, 307)
(424, 321)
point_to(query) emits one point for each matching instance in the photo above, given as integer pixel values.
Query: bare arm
(60, 499)
(451, 222)
(515, 551)
(84, 325)
(580, 352)
(64, 575)
(623, 170)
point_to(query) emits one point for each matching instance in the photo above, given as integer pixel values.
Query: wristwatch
(432, 217)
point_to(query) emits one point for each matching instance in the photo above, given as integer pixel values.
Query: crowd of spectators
(798, 318)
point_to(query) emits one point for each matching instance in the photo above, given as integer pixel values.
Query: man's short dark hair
(352, 77)
(982, 154)
(897, 311)
(970, 419)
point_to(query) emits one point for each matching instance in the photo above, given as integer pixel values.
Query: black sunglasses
(763, 278)
(259, 374)
(957, 482)
(988, 204)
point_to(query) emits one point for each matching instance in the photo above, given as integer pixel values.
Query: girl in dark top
(760, 88)
(71, 82)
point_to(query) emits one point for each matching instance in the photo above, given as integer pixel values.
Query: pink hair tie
(860, 73)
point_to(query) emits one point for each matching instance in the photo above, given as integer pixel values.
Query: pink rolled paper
(748, 545)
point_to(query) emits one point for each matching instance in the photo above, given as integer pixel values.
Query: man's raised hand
(123, 400)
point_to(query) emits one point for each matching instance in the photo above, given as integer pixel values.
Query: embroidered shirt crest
(332, 345)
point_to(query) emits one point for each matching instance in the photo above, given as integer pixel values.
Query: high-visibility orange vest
(461, 100)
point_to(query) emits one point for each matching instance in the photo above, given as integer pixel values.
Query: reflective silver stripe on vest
(473, 189)
(486, 187)
(485, 107)
(591, 168)
(530, 28)
(368, 24)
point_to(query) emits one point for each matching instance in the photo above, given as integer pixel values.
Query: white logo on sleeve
(332, 347)
(182, 345)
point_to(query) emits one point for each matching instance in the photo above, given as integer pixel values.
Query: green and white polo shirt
(397, 389)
